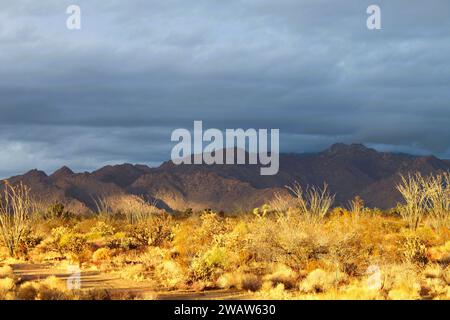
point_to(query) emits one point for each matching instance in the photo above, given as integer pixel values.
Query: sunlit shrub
(171, 274)
(16, 209)
(153, 232)
(134, 272)
(320, 281)
(401, 282)
(239, 280)
(6, 271)
(28, 291)
(210, 263)
(101, 255)
(101, 229)
(7, 286)
(282, 274)
(414, 250)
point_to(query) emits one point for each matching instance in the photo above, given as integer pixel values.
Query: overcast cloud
(113, 91)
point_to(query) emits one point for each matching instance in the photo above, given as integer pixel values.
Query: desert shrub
(171, 274)
(183, 240)
(135, 272)
(314, 203)
(27, 291)
(262, 211)
(210, 225)
(320, 281)
(7, 286)
(440, 254)
(344, 246)
(29, 241)
(121, 240)
(16, 208)
(101, 229)
(434, 285)
(153, 232)
(294, 246)
(438, 196)
(414, 250)
(57, 211)
(282, 274)
(95, 294)
(426, 196)
(268, 292)
(413, 190)
(356, 207)
(52, 288)
(6, 271)
(239, 280)
(64, 241)
(197, 234)
(282, 202)
(134, 209)
(250, 282)
(101, 255)
(446, 275)
(401, 282)
(209, 264)
(433, 271)
(235, 241)
(54, 241)
(355, 290)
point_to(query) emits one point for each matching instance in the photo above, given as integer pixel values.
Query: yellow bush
(7, 286)
(171, 274)
(239, 280)
(6, 271)
(273, 293)
(282, 274)
(401, 282)
(101, 255)
(28, 291)
(320, 281)
(133, 272)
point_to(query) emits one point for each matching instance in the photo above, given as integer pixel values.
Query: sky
(113, 91)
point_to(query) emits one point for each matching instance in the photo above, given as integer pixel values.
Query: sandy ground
(115, 284)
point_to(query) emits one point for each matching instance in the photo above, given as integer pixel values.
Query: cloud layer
(113, 91)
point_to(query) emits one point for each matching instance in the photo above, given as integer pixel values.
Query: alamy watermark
(74, 280)
(73, 22)
(190, 150)
(374, 20)
(374, 280)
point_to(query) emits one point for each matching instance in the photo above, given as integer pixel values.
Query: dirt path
(114, 284)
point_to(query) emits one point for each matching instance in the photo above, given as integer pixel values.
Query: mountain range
(349, 170)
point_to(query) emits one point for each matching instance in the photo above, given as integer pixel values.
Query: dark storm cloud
(113, 91)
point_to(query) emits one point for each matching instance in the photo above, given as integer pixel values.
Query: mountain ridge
(349, 170)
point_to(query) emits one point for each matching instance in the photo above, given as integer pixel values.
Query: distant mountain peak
(342, 147)
(35, 173)
(62, 172)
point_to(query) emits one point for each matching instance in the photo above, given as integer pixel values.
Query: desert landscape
(94, 236)
(165, 153)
